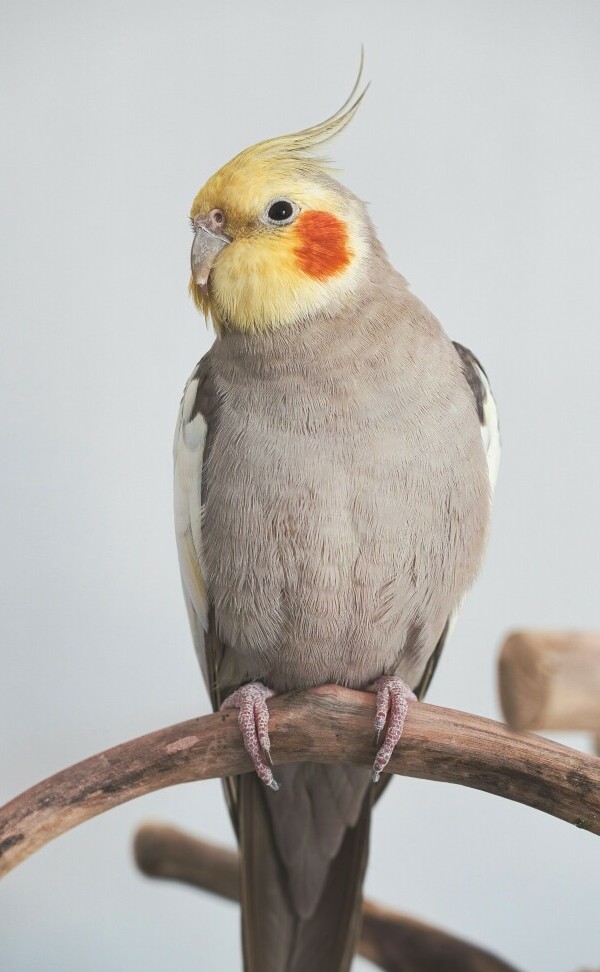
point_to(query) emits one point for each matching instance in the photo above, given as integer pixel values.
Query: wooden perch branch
(394, 942)
(551, 680)
(327, 725)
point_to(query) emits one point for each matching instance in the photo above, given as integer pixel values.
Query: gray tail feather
(275, 937)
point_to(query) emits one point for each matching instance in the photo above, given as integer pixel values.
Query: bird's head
(276, 237)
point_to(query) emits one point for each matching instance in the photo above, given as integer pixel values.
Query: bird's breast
(335, 531)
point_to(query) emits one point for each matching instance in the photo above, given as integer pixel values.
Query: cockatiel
(334, 456)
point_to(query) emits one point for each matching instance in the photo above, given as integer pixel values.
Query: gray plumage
(332, 507)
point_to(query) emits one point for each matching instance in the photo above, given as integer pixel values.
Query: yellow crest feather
(297, 148)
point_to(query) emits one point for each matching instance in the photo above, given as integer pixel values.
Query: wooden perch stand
(394, 942)
(327, 724)
(551, 680)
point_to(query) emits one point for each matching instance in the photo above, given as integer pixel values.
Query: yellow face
(293, 243)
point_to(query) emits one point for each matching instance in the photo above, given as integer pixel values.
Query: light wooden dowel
(551, 680)
(394, 942)
(328, 724)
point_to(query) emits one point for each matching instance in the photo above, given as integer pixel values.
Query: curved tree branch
(328, 724)
(394, 942)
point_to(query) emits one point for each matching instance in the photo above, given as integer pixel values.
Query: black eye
(280, 211)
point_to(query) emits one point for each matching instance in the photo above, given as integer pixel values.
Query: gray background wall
(478, 148)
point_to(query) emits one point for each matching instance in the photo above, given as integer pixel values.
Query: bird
(335, 455)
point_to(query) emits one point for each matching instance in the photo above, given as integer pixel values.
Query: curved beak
(205, 249)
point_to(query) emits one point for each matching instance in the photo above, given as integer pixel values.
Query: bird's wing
(487, 414)
(198, 414)
(485, 404)
(188, 454)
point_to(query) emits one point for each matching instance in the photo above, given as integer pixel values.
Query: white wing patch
(188, 452)
(490, 428)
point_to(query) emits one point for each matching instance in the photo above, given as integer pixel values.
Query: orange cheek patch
(322, 244)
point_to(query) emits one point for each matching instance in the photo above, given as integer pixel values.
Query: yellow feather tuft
(201, 302)
(298, 147)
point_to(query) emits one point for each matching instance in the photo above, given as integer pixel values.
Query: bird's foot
(253, 720)
(393, 696)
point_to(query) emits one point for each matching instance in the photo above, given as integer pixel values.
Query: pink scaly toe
(393, 696)
(253, 720)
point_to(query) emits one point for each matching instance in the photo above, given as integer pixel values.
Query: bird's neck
(269, 303)
(329, 343)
